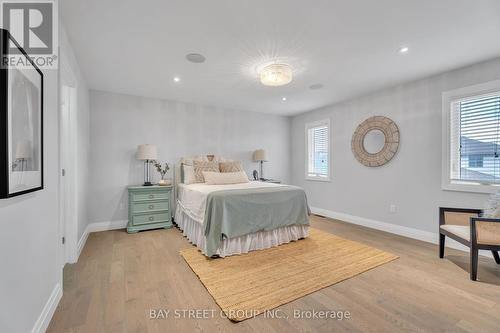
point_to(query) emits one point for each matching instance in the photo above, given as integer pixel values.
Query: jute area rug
(249, 284)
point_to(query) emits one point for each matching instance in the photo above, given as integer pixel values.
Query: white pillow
(189, 176)
(223, 178)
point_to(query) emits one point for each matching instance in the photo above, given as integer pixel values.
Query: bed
(224, 220)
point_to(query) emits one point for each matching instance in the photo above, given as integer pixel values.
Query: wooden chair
(469, 228)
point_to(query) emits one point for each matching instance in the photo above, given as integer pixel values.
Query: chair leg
(441, 245)
(496, 256)
(474, 252)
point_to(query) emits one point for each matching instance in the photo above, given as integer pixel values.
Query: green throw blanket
(234, 213)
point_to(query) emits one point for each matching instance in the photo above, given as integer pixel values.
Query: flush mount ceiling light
(283, 99)
(276, 75)
(196, 58)
(177, 79)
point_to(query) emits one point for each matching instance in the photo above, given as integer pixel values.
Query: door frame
(68, 218)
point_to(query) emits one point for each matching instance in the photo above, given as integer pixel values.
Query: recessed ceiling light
(195, 57)
(283, 99)
(404, 49)
(177, 79)
(316, 86)
(276, 75)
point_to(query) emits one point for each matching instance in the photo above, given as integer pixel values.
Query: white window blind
(318, 147)
(475, 139)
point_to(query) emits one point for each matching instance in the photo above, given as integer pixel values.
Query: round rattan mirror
(375, 141)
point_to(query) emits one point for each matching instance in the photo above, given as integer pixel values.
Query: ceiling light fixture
(276, 75)
(177, 79)
(283, 99)
(404, 49)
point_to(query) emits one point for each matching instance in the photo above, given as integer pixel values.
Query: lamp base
(147, 184)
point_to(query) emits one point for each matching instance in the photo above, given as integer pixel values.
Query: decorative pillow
(492, 207)
(190, 160)
(189, 177)
(233, 166)
(200, 166)
(223, 178)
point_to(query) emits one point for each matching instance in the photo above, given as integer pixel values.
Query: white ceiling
(349, 46)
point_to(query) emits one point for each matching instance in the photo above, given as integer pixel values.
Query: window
(318, 150)
(476, 161)
(476, 138)
(473, 138)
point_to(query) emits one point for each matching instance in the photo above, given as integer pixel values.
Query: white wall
(118, 123)
(73, 77)
(412, 180)
(30, 247)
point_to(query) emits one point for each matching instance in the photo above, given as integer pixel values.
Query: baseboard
(413, 233)
(43, 321)
(107, 225)
(81, 242)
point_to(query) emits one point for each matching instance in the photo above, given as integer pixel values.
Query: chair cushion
(461, 231)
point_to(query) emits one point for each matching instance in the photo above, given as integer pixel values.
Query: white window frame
(448, 98)
(307, 127)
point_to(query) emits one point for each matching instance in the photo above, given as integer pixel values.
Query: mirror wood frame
(391, 145)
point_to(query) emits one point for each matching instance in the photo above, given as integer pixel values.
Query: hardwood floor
(120, 277)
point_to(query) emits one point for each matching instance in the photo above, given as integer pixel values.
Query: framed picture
(21, 120)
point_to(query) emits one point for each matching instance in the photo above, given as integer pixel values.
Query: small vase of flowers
(162, 170)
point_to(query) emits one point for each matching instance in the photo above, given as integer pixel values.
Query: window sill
(470, 187)
(318, 179)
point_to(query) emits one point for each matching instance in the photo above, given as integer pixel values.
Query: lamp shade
(146, 152)
(23, 150)
(259, 155)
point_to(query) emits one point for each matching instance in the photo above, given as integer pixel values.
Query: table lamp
(147, 153)
(260, 156)
(23, 153)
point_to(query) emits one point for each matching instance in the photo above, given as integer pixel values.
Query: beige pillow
(223, 178)
(190, 160)
(233, 166)
(200, 166)
(219, 159)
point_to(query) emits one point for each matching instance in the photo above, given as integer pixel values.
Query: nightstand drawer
(150, 196)
(142, 207)
(150, 218)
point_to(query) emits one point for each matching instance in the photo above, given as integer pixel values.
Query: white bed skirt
(193, 230)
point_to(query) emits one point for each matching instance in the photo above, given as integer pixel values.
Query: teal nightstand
(149, 208)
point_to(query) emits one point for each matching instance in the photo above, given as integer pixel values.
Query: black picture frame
(7, 166)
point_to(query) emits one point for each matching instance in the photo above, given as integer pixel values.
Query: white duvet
(193, 197)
